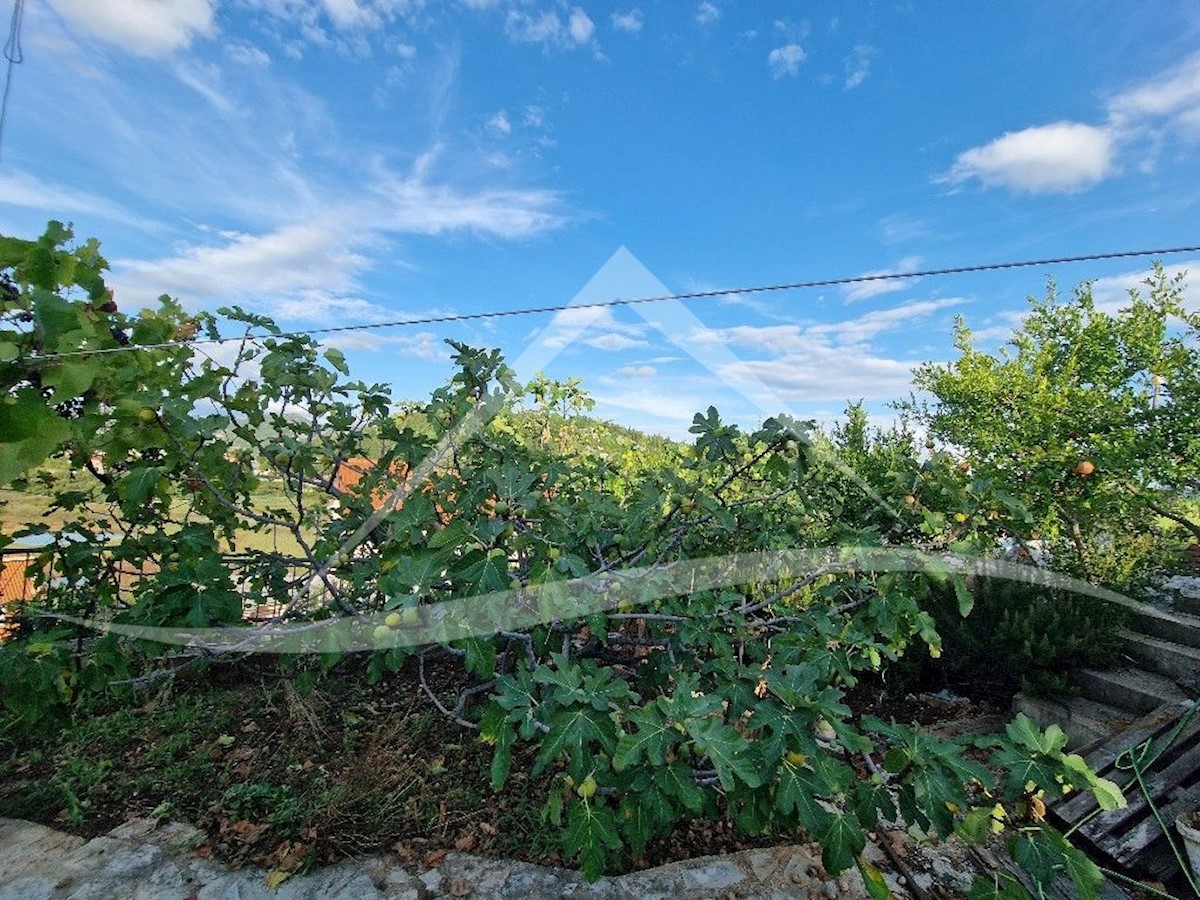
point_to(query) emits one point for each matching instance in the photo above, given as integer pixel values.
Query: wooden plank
(1159, 785)
(1062, 889)
(1156, 725)
(1147, 831)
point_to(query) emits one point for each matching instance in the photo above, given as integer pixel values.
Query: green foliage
(721, 702)
(1039, 633)
(1088, 417)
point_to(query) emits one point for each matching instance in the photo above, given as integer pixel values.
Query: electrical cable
(615, 302)
(15, 55)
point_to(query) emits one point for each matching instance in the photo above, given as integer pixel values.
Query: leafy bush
(706, 675)
(1038, 634)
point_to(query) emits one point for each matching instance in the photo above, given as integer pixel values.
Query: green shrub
(1022, 636)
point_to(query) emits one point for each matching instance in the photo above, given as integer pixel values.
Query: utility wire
(15, 55)
(606, 304)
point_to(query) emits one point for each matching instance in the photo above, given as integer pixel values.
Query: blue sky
(333, 162)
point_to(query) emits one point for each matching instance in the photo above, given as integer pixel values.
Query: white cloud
(307, 261)
(548, 29)
(637, 372)
(1112, 293)
(630, 22)
(834, 336)
(707, 13)
(27, 191)
(824, 374)
(1172, 95)
(144, 27)
(499, 123)
(613, 342)
(858, 65)
(535, 116)
(864, 290)
(786, 60)
(899, 228)
(580, 26)
(412, 204)
(670, 408)
(424, 345)
(247, 54)
(1063, 157)
(1066, 157)
(872, 324)
(596, 327)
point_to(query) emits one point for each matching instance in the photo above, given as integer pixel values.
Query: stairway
(1160, 665)
(1148, 701)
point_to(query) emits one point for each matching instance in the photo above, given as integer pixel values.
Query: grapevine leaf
(69, 380)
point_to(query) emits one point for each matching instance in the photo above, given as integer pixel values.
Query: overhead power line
(662, 298)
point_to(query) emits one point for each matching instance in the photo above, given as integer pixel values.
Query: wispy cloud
(423, 345)
(153, 28)
(247, 54)
(1112, 292)
(820, 375)
(415, 204)
(858, 65)
(29, 192)
(311, 263)
(630, 22)
(500, 124)
(636, 372)
(826, 361)
(549, 29)
(864, 290)
(786, 60)
(596, 327)
(707, 13)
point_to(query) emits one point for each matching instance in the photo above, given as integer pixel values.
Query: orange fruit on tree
(1085, 468)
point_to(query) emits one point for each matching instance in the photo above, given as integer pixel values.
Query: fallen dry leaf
(288, 856)
(467, 842)
(434, 858)
(276, 877)
(460, 887)
(243, 830)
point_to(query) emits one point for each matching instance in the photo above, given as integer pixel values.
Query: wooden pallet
(1131, 839)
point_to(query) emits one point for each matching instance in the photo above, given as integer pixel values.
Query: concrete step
(1084, 721)
(1128, 688)
(1176, 661)
(1184, 593)
(1176, 627)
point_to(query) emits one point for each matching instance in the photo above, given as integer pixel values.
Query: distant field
(20, 509)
